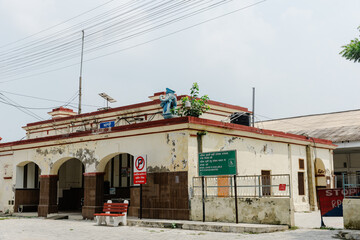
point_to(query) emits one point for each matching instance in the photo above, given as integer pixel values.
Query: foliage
(352, 50)
(198, 105)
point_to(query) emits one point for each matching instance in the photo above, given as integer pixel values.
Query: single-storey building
(78, 161)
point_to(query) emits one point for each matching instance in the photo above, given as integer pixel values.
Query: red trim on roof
(175, 121)
(158, 94)
(258, 130)
(228, 106)
(220, 104)
(63, 109)
(10, 154)
(138, 105)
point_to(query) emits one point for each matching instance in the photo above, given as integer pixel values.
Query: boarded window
(301, 164)
(301, 183)
(266, 183)
(223, 186)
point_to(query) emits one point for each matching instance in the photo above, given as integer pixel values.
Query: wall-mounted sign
(217, 163)
(107, 124)
(282, 187)
(140, 169)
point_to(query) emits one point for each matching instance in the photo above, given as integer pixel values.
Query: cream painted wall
(6, 185)
(254, 155)
(170, 148)
(95, 155)
(301, 202)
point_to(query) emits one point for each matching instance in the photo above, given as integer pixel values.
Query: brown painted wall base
(88, 211)
(26, 196)
(165, 196)
(93, 194)
(48, 195)
(44, 210)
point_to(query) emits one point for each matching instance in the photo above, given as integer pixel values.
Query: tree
(352, 50)
(193, 105)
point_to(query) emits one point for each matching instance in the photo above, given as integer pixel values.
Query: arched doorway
(118, 177)
(27, 187)
(70, 190)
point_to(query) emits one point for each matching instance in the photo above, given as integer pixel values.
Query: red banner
(331, 200)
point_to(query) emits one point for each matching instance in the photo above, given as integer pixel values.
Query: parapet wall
(351, 211)
(250, 210)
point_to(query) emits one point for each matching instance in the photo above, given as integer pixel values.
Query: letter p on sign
(140, 169)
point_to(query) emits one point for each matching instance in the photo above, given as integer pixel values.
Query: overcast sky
(288, 50)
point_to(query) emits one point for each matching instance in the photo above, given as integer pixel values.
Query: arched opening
(27, 187)
(70, 192)
(320, 174)
(118, 179)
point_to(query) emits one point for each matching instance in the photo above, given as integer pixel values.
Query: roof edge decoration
(175, 121)
(133, 106)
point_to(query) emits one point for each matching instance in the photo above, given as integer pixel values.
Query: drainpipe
(311, 178)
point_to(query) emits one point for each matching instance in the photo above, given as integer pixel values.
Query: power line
(143, 43)
(59, 49)
(32, 108)
(64, 58)
(46, 29)
(50, 100)
(22, 109)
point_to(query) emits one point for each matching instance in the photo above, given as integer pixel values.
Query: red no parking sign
(140, 170)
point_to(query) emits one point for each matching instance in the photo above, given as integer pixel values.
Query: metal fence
(242, 186)
(351, 185)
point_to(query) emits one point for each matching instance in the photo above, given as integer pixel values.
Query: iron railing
(351, 185)
(246, 186)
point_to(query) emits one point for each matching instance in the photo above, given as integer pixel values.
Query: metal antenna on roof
(108, 99)
(81, 64)
(253, 108)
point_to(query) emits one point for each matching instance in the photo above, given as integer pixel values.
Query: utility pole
(253, 108)
(81, 63)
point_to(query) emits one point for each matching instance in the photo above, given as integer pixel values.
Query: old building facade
(70, 163)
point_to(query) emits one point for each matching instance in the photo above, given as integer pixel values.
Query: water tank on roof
(241, 118)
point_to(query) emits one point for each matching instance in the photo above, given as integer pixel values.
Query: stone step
(207, 226)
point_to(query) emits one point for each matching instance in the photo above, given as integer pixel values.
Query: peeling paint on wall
(228, 141)
(177, 143)
(157, 169)
(86, 156)
(52, 151)
(266, 149)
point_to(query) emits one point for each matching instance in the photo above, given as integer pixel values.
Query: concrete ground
(313, 220)
(45, 229)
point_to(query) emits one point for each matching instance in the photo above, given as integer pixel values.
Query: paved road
(42, 229)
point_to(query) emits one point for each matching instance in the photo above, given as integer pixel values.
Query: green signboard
(217, 163)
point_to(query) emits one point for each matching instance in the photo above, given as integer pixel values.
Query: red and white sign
(140, 170)
(282, 187)
(331, 200)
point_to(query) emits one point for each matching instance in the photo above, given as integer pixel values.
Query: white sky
(288, 50)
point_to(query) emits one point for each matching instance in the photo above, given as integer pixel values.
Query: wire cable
(143, 43)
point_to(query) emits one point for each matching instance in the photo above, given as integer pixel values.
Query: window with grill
(301, 164)
(301, 183)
